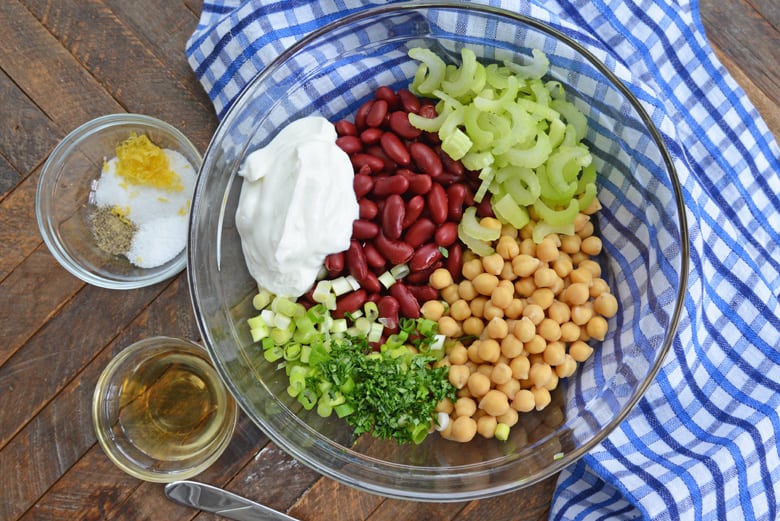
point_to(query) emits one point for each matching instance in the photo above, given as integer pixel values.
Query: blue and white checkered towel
(703, 442)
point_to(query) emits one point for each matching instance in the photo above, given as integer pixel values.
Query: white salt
(161, 215)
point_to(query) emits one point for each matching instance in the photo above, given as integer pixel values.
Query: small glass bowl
(160, 410)
(63, 206)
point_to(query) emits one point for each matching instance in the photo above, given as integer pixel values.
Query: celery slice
(557, 217)
(507, 210)
(433, 74)
(471, 226)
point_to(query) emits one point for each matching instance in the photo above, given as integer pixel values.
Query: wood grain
(64, 62)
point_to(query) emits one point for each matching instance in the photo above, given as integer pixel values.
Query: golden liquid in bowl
(172, 406)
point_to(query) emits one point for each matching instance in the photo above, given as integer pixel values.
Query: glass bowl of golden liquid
(160, 411)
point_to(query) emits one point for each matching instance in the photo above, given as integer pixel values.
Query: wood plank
(396, 509)
(138, 80)
(750, 39)
(318, 502)
(27, 134)
(9, 178)
(40, 276)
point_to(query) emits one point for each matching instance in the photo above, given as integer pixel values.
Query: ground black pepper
(113, 234)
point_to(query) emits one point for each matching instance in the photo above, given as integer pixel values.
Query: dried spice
(113, 233)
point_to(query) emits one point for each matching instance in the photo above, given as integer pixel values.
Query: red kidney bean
(409, 102)
(446, 234)
(394, 148)
(334, 263)
(376, 115)
(356, 260)
(447, 179)
(423, 293)
(386, 93)
(407, 304)
(373, 297)
(426, 159)
(425, 256)
(373, 258)
(375, 164)
(388, 308)
(371, 135)
(422, 277)
(400, 124)
(438, 206)
(349, 144)
(363, 229)
(396, 252)
(484, 209)
(414, 209)
(370, 283)
(349, 302)
(368, 209)
(450, 165)
(345, 128)
(456, 196)
(362, 114)
(420, 232)
(393, 216)
(363, 184)
(455, 260)
(376, 151)
(427, 110)
(392, 184)
(420, 184)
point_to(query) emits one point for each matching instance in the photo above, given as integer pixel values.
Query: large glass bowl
(642, 225)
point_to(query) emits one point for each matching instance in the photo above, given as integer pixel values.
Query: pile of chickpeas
(518, 321)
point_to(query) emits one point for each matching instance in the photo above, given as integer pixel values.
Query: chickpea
(507, 272)
(473, 326)
(459, 376)
(524, 401)
(578, 257)
(485, 369)
(491, 223)
(486, 426)
(569, 332)
(493, 264)
(509, 388)
(510, 417)
(542, 397)
(555, 353)
(445, 405)
(547, 250)
(458, 354)
(501, 373)
(592, 266)
(489, 350)
(567, 367)
(511, 346)
(580, 221)
(534, 313)
(466, 290)
(597, 327)
(570, 244)
(545, 277)
(586, 230)
(525, 287)
(450, 293)
(432, 310)
(549, 329)
(540, 374)
(494, 402)
(559, 312)
(563, 265)
(514, 309)
(448, 326)
(591, 245)
(580, 274)
(580, 315)
(485, 283)
(520, 366)
(536, 345)
(524, 265)
(524, 329)
(440, 278)
(477, 306)
(527, 244)
(472, 268)
(552, 383)
(598, 286)
(497, 328)
(542, 297)
(460, 310)
(580, 351)
(463, 429)
(478, 384)
(465, 406)
(502, 296)
(593, 207)
(576, 293)
(492, 311)
(474, 358)
(605, 305)
(507, 247)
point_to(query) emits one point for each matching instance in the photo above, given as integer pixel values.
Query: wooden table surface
(63, 62)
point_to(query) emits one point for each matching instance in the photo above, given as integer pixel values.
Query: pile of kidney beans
(411, 196)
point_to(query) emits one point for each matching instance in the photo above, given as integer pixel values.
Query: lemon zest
(141, 162)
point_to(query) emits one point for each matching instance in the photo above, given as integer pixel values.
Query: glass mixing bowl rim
(337, 451)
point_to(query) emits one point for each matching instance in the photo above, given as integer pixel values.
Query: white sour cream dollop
(296, 206)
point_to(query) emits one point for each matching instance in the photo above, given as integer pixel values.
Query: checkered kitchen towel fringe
(703, 442)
